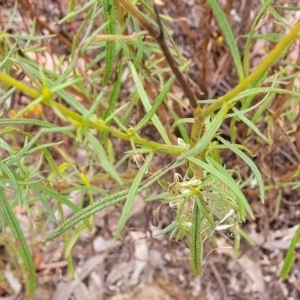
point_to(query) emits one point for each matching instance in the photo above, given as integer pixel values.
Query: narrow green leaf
(33, 68)
(20, 239)
(208, 134)
(113, 98)
(243, 204)
(182, 121)
(73, 239)
(7, 95)
(288, 8)
(237, 239)
(228, 34)
(182, 129)
(139, 45)
(168, 228)
(158, 101)
(147, 105)
(94, 107)
(114, 95)
(279, 18)
(111, 28)
(196, 244)
(249, 124)
(259, 15)
(290, 255)
(75, 104)
(224, 177)
(271, 37)
(95, 60)
(11, 160)
(66, 83)
(8, 55)
(45, 203)
(250, 163)
(131, 195)
(12, 180)
(205, 210)
(84, 213)
(45, 151)
(103, 158)
(62, 199)
(256, 91)
(6, 146)
(42, 147)
(65, 74)
(21, 121)
(72, 13)
(70, 266)
(72, 5)
(267, 100)
(181, 213)
(246, 236)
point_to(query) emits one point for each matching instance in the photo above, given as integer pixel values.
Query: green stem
(256, 74)
(19, 85)
(196, 134)
(99, 124)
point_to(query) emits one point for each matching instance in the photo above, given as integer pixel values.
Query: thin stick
(219, 279)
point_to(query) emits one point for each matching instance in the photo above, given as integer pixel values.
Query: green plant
(207, 197)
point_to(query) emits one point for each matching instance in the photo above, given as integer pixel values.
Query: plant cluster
(118, 39)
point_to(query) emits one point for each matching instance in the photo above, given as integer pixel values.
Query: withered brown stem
(159, 37)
